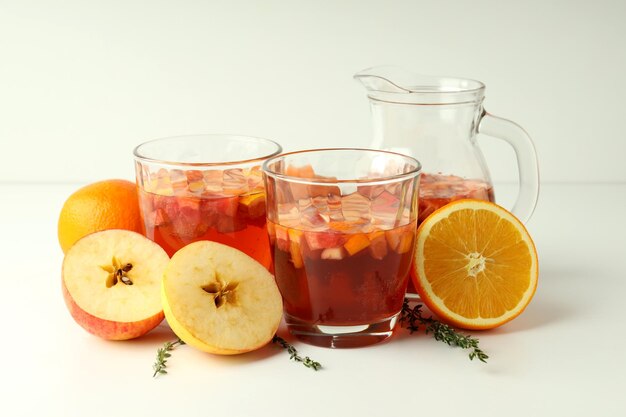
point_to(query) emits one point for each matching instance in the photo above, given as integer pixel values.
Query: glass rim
(138, 156)
(325, 181)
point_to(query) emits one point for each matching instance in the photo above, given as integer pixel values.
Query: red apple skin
(107, 329)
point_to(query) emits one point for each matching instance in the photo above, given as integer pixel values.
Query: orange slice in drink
(475, 264)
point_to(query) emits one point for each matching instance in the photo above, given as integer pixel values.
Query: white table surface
(563, 356)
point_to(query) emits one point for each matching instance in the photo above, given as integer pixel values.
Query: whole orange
(109, 204)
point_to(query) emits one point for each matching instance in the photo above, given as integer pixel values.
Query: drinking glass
(341, 224)
(205, 187)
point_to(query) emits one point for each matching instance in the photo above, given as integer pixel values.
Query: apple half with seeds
(220, 300)
(111, 283)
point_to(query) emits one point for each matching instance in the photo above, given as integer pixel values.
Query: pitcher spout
(383, 79)
(396, 85)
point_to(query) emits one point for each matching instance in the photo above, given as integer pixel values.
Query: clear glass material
(436, 119)
(342, 225)
(205, 187)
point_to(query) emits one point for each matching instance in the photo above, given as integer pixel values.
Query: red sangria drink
(342, 224)
(437, 190)
(193, 198)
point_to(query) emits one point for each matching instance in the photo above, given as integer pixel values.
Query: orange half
(475, 264)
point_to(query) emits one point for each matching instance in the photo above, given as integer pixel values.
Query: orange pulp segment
(475, 264)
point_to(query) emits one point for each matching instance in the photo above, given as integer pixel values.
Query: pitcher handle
(527, 163)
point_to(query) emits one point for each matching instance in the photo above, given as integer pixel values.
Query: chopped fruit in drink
(271, 232)
(376, 235)
(310, 217)
(195, 181)
(213, 180)
(163, 184)
(306, 172)
(393, 238)
(385, 202)
(295, 247)
(230, 224)
(166, 208)
(334, 253)
(188, 229)
(295, 235)
(252, 205)
(370, 191)
(348, 226)
(322, 190)
(255, 179)
(187, 205)
(406, 242)
(187, 219)
(213, 175)
(235, 191)
(163, 176)
(298, 192)
(196, 187)
(378, 244)
(194, 175)
(224, 206)
(178, 180)
(282, 237)
(324, 240)
(302, 191)
(355, 207)
(356, 243)
(300, 172)
(400, 239)
(160, 217)
(289, 218)
(384, 209)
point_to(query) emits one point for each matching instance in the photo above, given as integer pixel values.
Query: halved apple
(111, 283)
(220, 300)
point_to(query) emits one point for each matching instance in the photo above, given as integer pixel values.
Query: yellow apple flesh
(220, 300)
(105, 295)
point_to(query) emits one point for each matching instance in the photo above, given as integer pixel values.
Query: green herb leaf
(293, 354)
(412, 319)
(161, 357)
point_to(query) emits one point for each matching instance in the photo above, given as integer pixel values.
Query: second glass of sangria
(205, 187)
(342, 226)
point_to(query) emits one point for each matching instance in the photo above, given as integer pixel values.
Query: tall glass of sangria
(205, 187)
(341, 224)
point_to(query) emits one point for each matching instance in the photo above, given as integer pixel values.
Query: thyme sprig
(412, 319)
(161, 358)
(293, 354)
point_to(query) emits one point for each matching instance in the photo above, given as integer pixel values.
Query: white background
(83, 82)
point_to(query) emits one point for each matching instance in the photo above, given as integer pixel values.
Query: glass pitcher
(435, 120)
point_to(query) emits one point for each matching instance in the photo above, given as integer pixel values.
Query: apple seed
(117, 272)
(222, 292)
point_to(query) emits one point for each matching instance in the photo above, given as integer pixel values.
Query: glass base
(413, 297)
(341, 336)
